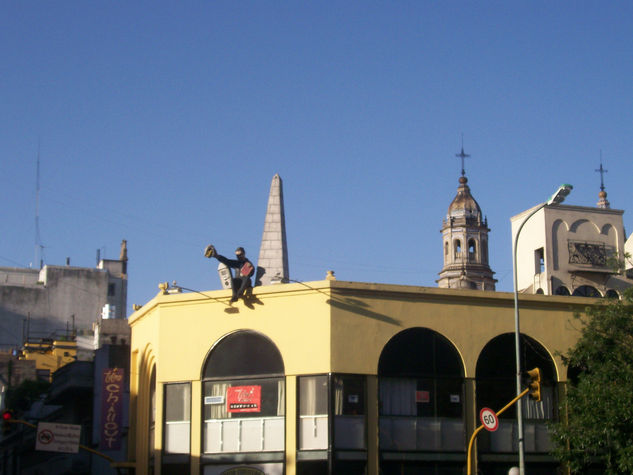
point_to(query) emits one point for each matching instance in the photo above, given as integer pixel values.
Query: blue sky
(163, 123)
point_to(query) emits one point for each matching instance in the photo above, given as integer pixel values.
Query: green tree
(596, 426)
(20, 397)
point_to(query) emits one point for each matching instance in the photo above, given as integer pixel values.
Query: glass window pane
(177, 402)
(313, 398)
(397, 397)
(349, 395)
(177, 427)
(243, 353)
(449, 398)
(313, 412)
(244, 398)
(349, 409)
(422, 397)
(244, 415)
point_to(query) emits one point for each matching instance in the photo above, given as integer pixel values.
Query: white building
(58, 299)
(571, 250)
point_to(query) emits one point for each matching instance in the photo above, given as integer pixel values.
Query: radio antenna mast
(39, 248)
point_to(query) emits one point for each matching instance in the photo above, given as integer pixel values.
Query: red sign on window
(244, 399)
(422, 396)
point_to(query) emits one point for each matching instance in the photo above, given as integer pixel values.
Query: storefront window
(243, 405)
(177, 418)
(313, 412)
(421, 394)
(496, 386)
(349, 411)
(245, 415)
(347, 401)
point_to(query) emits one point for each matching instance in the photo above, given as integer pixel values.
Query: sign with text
(244, 399)
(111, 408)
(54, 437)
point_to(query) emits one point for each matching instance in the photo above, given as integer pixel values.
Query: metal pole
(517, 342)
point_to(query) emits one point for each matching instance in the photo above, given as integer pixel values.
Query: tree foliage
(20, 397)
(596, 426)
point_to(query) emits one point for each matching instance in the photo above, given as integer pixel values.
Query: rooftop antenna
(462, 155)
(39, 248)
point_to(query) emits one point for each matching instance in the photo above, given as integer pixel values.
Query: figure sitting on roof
(242, 280)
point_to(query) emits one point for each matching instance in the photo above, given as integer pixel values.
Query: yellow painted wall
(366, 316)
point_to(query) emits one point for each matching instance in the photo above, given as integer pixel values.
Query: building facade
(58, 300)
(571, 250)
(340, 377)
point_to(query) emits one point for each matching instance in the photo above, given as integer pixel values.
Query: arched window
(586, 291)
(562, 290)
(243, 353)
(612, 294)
(472, 249)
(458, 248)
(496, 386)
(243, 395)
(421, 393)
(446, 248)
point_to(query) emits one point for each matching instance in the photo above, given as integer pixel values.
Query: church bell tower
(465, 242)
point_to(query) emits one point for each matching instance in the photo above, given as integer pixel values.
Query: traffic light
(535, 384)
(7, 417)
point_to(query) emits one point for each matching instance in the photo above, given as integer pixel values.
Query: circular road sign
(46, 437)
(489, 419)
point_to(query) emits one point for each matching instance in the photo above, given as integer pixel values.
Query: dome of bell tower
(464, 205)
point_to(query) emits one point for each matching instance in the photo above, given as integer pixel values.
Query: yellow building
(49, 355)
(340, 377)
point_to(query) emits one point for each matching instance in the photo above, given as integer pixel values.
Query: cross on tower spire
(602, 171)
(462, 155)
(602, 201)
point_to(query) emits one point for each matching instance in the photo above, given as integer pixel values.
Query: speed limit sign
(489, 419)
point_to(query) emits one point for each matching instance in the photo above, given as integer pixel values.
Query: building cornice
(392, 291)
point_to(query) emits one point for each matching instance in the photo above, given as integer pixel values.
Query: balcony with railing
(536, 438)
(406, 433)
(253, 434)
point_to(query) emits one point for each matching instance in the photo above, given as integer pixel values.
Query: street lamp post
(556, 198)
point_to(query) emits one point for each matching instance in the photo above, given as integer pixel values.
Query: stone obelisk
(272, 265)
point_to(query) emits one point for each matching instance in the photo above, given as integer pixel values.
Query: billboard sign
(111, 409)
